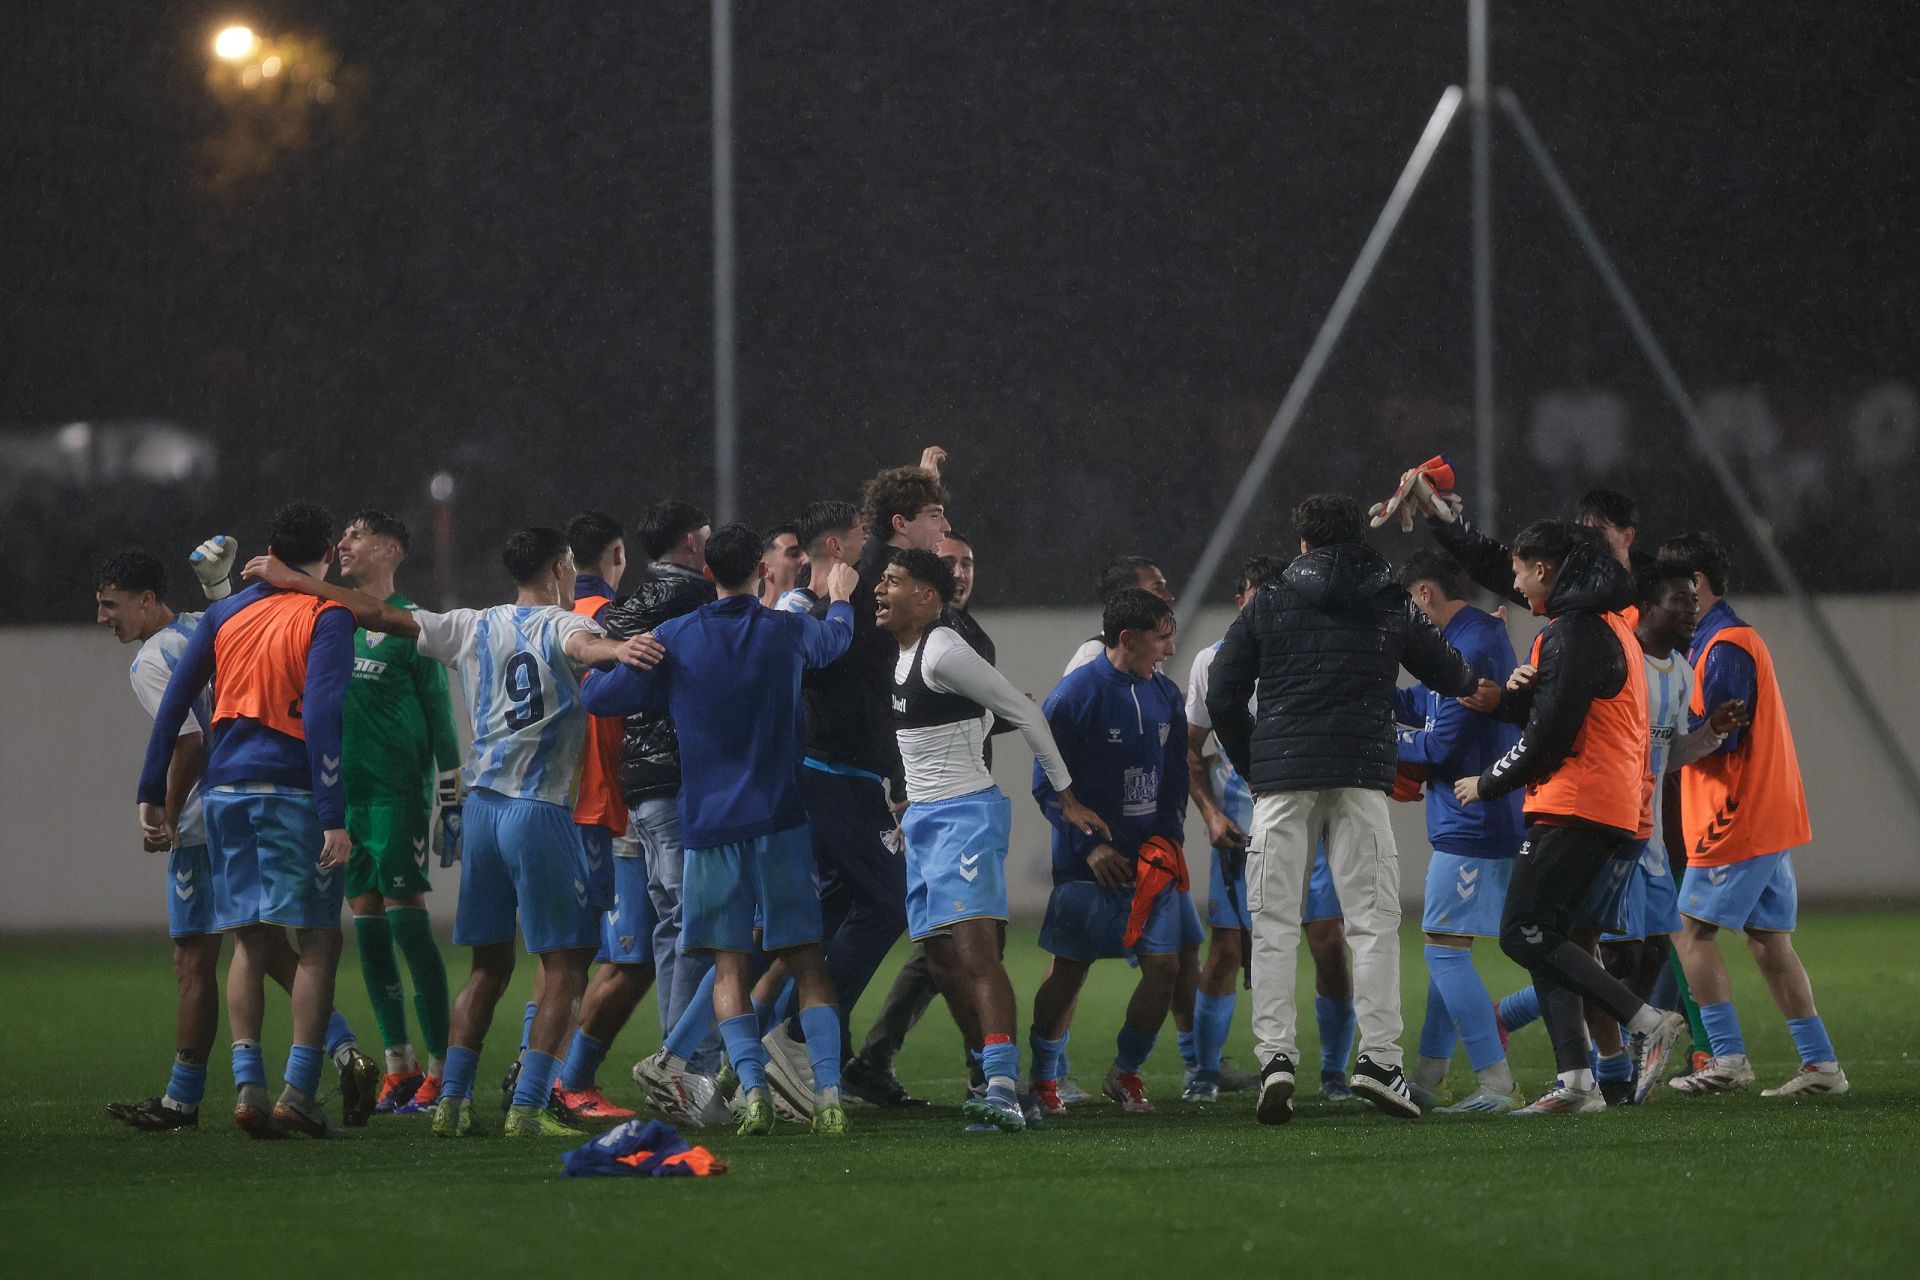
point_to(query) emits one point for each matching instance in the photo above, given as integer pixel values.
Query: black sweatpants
(1552, 875)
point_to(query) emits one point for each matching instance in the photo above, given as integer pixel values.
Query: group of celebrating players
(739, 783)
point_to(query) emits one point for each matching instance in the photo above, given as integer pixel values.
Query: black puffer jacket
(650, 751)
(1325, 645)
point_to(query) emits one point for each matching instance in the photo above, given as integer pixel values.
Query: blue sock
(764, 1016)
(1001, 1057)
(1469, 1006)
(1049, 1056)
(1131, 1047)
(462, 1065)
(1617, 1067)
(535, 1085)
(1438, 1035)
(741, 1035)
(1189, 1049)
(339, 1034)
(1337, 1028)
(1723, 1029)
(303, 1068)
(248, 1066)
(1520, 1008)
(820, 1024)
(526, 1025)
(1212, 1020)
(1810, 1038)
(697, 1020)
(187, 1085)
(584, 1057)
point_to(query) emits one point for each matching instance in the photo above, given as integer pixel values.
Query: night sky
(1083, 246)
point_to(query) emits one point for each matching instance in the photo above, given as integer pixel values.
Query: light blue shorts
(190, 891)
(1651, 907)
(1465, 896)
(626, 931)
(522, 858)
(1086, 922)
(1228, 910)
(956, 861)
(1605, 907)
(596, 854)
(264, 845)
(765, 883)
(1759, 893)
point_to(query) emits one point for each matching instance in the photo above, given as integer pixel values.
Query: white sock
(174, 1104)
(1646, 1021)
(1430, 1073)
(1003, 1082)
(399, 1058)
(436, 1065)
(343, 1054)
(826, 1098)
(1580, 1078)
(1497, 1078)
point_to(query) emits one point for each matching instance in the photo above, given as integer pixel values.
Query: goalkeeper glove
(446, 818)
(212, 563)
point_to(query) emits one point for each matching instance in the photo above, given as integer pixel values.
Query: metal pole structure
(1486, 507)
(1757, 526)
(1194, 593)
(726, 419)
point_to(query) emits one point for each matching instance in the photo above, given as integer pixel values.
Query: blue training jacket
(1454, 743)
(1125, 743)
(731, 683)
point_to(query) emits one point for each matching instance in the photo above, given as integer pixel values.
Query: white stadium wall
(70, 856)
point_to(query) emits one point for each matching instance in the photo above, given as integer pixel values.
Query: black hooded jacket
(650, 749)
(1324, 646)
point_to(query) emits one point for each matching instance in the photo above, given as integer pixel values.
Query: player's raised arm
(374, 615)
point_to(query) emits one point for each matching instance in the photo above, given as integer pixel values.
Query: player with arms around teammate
(401, 760)
(957, 823)
(519, 666)
(730, 680)
(275, 809)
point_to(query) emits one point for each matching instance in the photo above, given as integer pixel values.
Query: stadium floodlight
(235, 43)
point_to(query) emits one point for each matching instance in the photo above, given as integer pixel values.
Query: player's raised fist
(212, 563)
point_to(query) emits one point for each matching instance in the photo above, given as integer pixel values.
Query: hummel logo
(1716, 876)
(329, 771)
(183, 890)
(1113, 735)
(1533, 936)
(1469, 874)
(1466, 891)
(184, 876)
(969, 870)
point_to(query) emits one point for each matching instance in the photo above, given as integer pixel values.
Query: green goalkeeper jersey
(398, 720)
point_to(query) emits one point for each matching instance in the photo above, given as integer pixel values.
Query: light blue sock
(1723, 1029)
(584, 1056)
(1049, 1056)
(741, 1035)
(1337, 1028)
(535, 1086)
(1001, 1057)
(1438, 1035)
(526, 1025)
(1617, 1067)
(249, 1067)
(1132, 1047)
(339, 1034)
(187, 1085)
(820, 1024)
(697, 1020)
(1810, 1038)
(1189, 1049)
(1469, 1007)
(1066, 1068)
(1212, 1020)
(462, 1064)
(1520, 1008)
(303, 1067)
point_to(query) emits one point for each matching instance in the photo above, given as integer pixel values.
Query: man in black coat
(1322, 648)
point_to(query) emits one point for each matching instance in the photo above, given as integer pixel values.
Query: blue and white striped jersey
(522, 692)
(152, 667)
(1236, 799)
(1669, 690)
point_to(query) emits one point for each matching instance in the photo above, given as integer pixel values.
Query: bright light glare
(235, 43)
(271, 67)
(441, 487)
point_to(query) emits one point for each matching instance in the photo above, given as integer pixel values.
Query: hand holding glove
(446, 818)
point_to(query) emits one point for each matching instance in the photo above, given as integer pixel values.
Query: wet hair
(899, 491)
(133, 570)
(531, 552)
(954, 535)
(1326, 519)
(383, 524)
(1121, 574)
(300, 533)
(1437, 567)
(1551, 540)
(774, 536)
(827, 516)
(1132, 609)
(1258, 571)
(733, 554)
(591, 533)
(927, 569)
(1655, 576)
(1702, 553)
(1610, 505)
(666, 524)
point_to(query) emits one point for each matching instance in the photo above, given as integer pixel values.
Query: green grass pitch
(1700, 1187)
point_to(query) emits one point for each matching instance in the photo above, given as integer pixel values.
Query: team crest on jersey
(374, 638)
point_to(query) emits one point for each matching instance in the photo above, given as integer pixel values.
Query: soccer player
(1744, 810)
(1582, 806)
(830, 532)
(1121, 573)
(275, 809)
(519, 666)
(731, 682)
(957, 823)
(785, 559)
(400, 758)
(1473, 848)
(1226, 806)
(617, 874)
(1122, 731)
